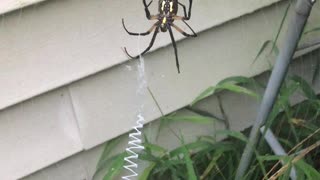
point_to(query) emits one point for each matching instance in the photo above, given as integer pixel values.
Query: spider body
(168, 10)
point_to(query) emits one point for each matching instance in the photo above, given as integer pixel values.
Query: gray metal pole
(298, 21)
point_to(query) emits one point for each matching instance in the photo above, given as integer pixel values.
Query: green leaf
(105, 166)
(209, 139)
(145, 174)
(226, 86)
(206, 93)
(238, 80)
(193, 119)
(274, 49)
(147, 156)
(273, 43)
(115, 166)
(212, 163)
(305, 87)
(312, 30)
(155, 148)
(262, 49)
(106, 152)
(104, 160)
(237, 89)
(316, 72)
(309, 171)
(194, 147)
(189, 164)
(280, 28)
(235, 134)
(203, 113)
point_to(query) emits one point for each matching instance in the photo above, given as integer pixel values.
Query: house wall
(69, 40)
(68, 87)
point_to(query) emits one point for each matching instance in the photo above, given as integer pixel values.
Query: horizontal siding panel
(37, 133)
(11, 5)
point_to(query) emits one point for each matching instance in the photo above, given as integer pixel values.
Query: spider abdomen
(167, 9)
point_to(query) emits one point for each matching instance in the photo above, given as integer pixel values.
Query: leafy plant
(296, 127)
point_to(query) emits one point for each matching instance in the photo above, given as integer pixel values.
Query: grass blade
(226, 86)
(238, 80)
(237, 89)
(193, 119)
(145, 174)
(189, 164)
(281, 26)
(274, 47)
(106, 152)
(316, 72)
(115, 166)
(305, 87)
(194, 147)
(262, 49)
(206, 93)
(234, 134)
(312, 30)
(309, 171)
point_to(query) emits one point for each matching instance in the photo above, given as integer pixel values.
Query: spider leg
(195, 35)
(183, 32)
(186, 17)
(190, 28)
(139, 34)
(175, 48)
(184, 9)
(190, 6)
(146, 8)
(125, 50)
(148, 48)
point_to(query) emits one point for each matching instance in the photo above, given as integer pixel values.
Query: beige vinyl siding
(66, 85)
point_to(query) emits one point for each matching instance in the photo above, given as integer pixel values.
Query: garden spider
(167, 14)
